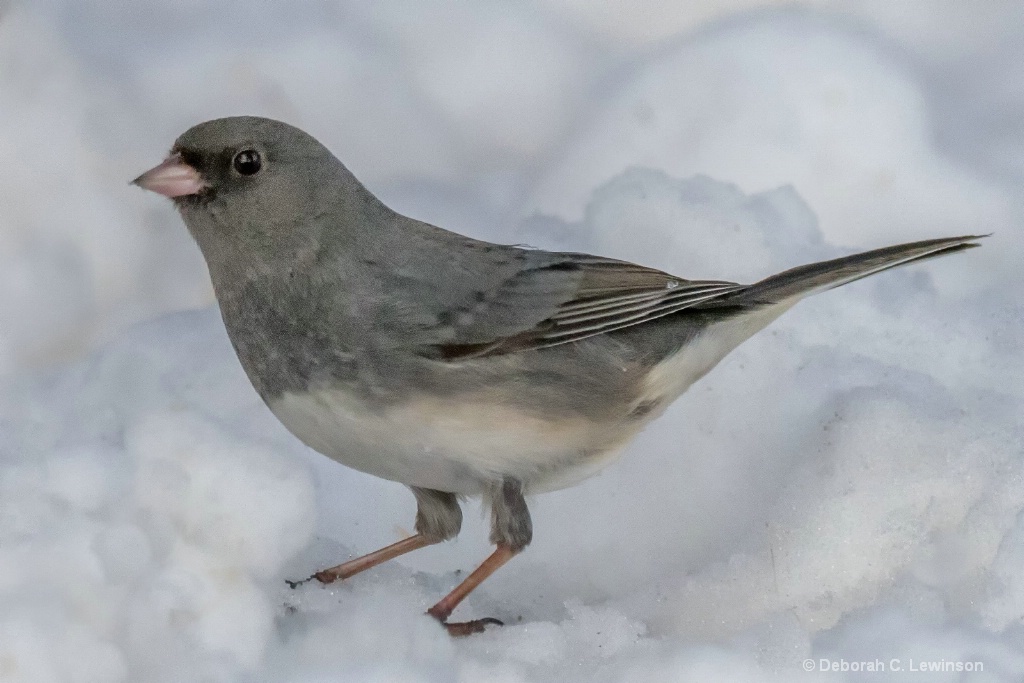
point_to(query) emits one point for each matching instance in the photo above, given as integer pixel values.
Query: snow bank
(143, 518)
(72, 245)
(788, 99)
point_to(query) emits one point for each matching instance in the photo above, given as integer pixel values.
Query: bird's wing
(566, 299)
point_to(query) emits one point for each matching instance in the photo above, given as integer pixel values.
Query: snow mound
(782, 99)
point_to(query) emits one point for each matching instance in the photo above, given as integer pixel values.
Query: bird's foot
(325, 576)
(464, 628)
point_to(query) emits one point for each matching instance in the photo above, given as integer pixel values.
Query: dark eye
(247, 162)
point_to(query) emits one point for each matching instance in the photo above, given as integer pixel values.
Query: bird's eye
(247, 162)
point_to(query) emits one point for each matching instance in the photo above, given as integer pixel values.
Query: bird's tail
(802, 281)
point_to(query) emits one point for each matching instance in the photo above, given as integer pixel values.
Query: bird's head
(251, 182)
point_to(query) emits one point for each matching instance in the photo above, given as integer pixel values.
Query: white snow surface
(846, 488)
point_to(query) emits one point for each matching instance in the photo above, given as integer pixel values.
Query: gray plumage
(449, 364)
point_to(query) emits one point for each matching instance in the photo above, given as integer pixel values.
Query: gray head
(247, 182)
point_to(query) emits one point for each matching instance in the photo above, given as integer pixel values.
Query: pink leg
(361, 564)
(443, 609)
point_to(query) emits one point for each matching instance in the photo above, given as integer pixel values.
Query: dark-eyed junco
(451, 365)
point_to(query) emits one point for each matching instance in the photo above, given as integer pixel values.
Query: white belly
(459, 446)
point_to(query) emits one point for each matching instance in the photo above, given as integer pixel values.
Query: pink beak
(172, 178)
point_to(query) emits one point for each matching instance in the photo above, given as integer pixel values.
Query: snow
(846, 487)
(788, 99)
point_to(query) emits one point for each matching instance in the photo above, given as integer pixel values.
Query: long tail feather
(802, 281)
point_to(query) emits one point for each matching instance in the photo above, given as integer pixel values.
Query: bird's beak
(172, 178)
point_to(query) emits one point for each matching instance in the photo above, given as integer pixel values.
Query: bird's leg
(361, 564)
(444, 607)
(438, 518)
(511, 531)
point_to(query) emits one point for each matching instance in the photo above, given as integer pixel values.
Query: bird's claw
(323, 577)
(461, 629)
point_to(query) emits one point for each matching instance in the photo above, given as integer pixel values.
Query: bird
(457, 367)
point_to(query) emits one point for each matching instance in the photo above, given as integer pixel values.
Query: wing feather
(571, 299)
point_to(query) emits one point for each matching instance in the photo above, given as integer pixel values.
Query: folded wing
(568, 300)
